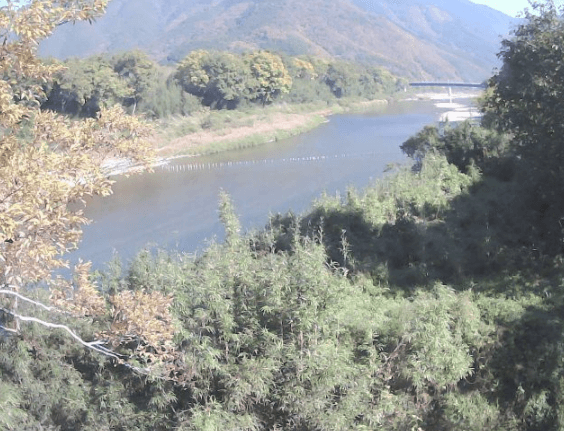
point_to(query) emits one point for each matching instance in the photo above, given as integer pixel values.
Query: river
(175, 207)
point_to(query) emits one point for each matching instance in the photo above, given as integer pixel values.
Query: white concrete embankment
(458, 112)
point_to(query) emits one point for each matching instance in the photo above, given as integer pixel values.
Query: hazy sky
(509, 7)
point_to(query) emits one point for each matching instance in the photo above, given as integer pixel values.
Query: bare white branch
(94, 345)
(26, 299)
(8, 329)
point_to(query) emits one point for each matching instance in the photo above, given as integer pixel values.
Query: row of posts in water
(184, 167)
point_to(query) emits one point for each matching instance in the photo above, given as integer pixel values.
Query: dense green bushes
(464, 145)
(392, 309)
(432, 300)
(525, 100)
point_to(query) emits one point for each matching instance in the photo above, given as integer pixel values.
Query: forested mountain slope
(453, 39)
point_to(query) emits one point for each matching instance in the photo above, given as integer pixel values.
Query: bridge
(449, 84)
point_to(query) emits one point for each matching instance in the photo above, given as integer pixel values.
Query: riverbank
(458, 112)
(217, 131)
(176, 206)
(210, 132)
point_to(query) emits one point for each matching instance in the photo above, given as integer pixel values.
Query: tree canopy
(48, 165)
(525, 99)
(221, 79)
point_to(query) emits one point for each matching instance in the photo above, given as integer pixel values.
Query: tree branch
(31, 301)
(8, 329)
(96, 345)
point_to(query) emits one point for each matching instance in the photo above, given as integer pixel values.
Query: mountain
(436, 39)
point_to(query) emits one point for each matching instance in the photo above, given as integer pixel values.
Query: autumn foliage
(48, 165)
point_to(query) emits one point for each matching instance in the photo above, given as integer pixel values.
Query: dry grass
(220, 131)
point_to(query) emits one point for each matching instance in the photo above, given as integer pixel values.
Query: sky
(509, 7)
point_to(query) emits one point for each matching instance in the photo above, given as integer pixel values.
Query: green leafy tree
(138, 72)
(422, 143)
(166, 97)
(463, 145)
(85, 86)
(343, 79)
(526, 99)
(219, 78)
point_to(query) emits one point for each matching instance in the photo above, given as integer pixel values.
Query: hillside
(453, 39)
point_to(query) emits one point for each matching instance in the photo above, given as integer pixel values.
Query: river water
(176, 206)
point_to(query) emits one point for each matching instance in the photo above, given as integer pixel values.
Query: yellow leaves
(84, 300)
(141, 315)
(59, 165)
(46, 161)
(37, 20)
(191, 68)
(87, 300)
(305, 69)
(21, 30)
(135, 316)
(49, 164)
(10, 113)
(270, 74)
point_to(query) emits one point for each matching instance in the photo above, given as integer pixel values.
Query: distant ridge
(440, 39)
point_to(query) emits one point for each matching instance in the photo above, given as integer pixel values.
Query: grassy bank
(210, 131)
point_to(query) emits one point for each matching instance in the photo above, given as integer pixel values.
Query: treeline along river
(175, 207)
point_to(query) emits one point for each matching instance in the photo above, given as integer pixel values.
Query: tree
(139, 73)
(270, 77)
(302, 69)
(462, 145)
(48, 165)
(219, 78)
(167, 97)
(343, 79)
(526, 99)
(86, 85)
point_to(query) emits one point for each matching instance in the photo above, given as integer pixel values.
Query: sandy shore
(280, 122)
(259, 128)
(283, 122)
(264, 129)
(276, 123)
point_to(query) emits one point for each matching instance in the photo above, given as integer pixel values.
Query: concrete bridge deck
(449, 84)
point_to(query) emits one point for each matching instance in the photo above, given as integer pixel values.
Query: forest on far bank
(431, 300)
(214, 79)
